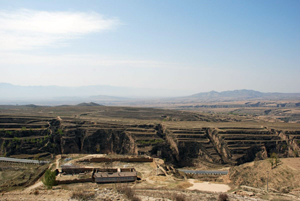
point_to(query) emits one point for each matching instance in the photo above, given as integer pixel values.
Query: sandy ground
(207, 186)
(293, 163)
(34, 186)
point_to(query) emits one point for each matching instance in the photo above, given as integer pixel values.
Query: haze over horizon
(192, 46)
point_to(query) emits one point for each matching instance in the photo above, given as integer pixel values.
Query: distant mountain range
(243, 94)
(9, 92)
(110, 95)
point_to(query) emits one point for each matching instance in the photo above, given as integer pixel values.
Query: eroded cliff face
(179, 146)
(97, 141)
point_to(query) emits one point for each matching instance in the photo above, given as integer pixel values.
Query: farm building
(98, 175)
(121, 175)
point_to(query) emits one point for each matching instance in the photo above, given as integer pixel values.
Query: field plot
(14, 175)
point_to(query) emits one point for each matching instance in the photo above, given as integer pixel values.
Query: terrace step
(191, 137)
(188, 132)
(239, 138)
(244, 133)
(147, 138)
(139, 130)
(141, 133)
(252, 141)
(193, 140)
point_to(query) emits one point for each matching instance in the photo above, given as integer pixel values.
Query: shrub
(223, 197)
(8, 132)
(36, 192)
(16, 139)
(135, 199)
(180, 197)
(129, 192)
(49, 178)
(83, 195)
(59, 131)
(275, 157)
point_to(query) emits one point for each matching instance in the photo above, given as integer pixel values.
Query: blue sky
(189, 46)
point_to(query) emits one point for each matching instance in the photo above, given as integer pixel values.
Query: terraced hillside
(178, 141)
(26, 134)
(246, 144)
(193, 144)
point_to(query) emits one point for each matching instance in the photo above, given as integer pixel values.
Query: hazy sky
(188, 45)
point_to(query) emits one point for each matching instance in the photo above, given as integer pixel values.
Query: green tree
(49, 178)
(275, 157)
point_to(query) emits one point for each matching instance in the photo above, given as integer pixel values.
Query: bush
(60, 132)
(180, 197)
(223, 197)
(129, 192)
(49, 178)
(36, 192)
(82, 195)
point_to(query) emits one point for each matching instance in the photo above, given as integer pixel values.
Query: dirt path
(58, 157)
(207, 186)
(30, 188)
(40, 183)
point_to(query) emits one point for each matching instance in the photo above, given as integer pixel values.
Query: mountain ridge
(109, 95)
(243, 94)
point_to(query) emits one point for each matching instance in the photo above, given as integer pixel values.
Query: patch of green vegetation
(8, 132)
(16, 139)
(152, 141)
(274, 160)
(23, 129)
(60, 132)
(41, 141)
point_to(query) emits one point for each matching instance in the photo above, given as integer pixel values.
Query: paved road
(216, 172)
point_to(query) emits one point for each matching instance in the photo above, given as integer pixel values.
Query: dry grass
(82, 195)
(184, 185)
(283, 178)
(129, 192)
